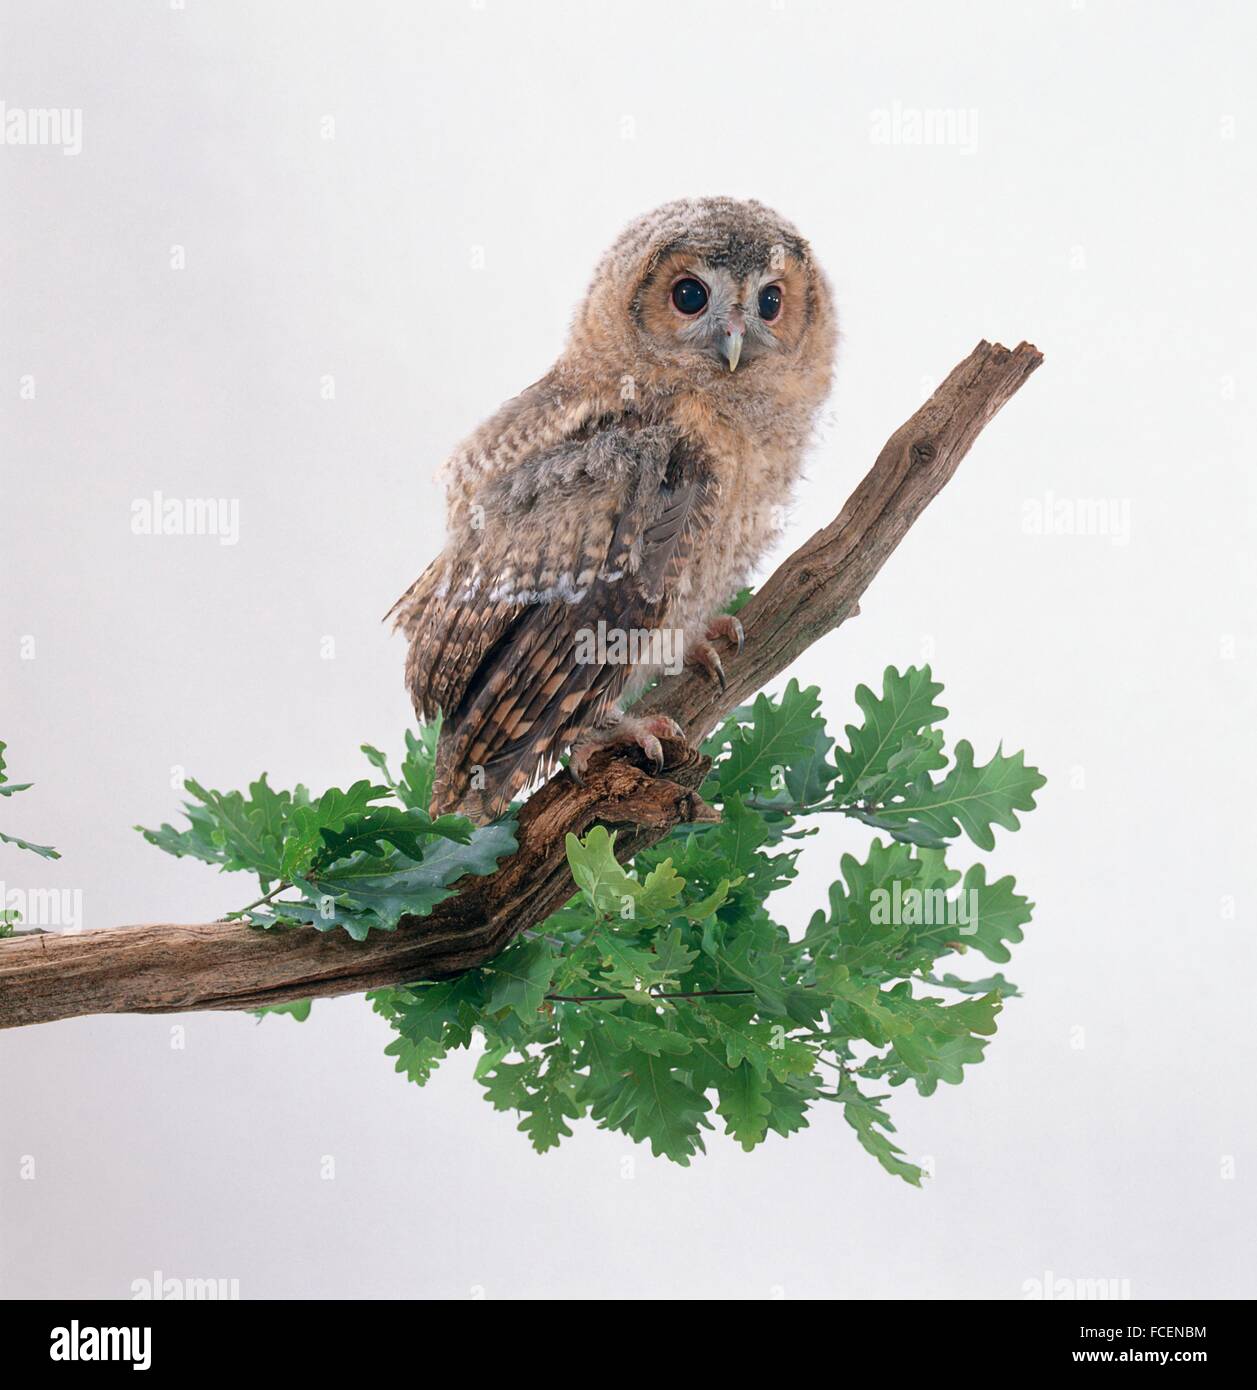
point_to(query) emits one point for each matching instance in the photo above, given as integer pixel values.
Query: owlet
(600, 521)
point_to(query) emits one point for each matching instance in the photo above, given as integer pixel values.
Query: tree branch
(228, 965)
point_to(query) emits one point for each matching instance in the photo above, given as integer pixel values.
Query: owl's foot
(727, 627)
(640, 733)
(706, 658)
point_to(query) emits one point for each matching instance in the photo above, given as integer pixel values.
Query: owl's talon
(729, 627)
(645, 734)
(707, 659)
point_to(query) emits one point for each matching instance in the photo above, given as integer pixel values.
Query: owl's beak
(735, 328)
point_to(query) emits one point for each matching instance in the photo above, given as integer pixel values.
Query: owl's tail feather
(480, 807)
(484, 794)
(453, 789)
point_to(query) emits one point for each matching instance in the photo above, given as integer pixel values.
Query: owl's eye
(690, 296)
(769, 302)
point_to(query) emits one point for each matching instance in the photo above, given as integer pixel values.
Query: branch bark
(227, 965)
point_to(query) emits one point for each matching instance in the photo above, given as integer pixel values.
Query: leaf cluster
(359, 858)
(668, 1001)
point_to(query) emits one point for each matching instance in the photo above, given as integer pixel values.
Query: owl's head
(710, 287)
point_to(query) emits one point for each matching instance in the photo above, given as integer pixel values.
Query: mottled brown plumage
(635, 485)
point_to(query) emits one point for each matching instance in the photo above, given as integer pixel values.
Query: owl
(600, 521)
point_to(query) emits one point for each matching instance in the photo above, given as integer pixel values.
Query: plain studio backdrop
(298, 253)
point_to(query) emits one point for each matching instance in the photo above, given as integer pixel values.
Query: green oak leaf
(443, 1013)
(651, 1102)
(780, 735)
(543, 1088)
(872, 1125)
(242, 829)
(788, 1104)
(990, 984)
(372, 892)
(982, 916)
(416, 1059)
(894, 722)
(808, 778)
(941, 1039)
(506, 1084)
(384, 826)
(744, 1105)
(763, 1045)
(597, 872)
(44, 851)
(672, 956)
(519, 978)
(858, 935)
(308, 825)
(545, 1116)
(660, 892)
(419, 766)
(970, 798)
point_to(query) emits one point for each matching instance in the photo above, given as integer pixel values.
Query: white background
(1098, 198)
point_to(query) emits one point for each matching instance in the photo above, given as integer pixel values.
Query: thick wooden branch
(227, 965)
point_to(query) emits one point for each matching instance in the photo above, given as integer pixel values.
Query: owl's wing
(600, 529)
